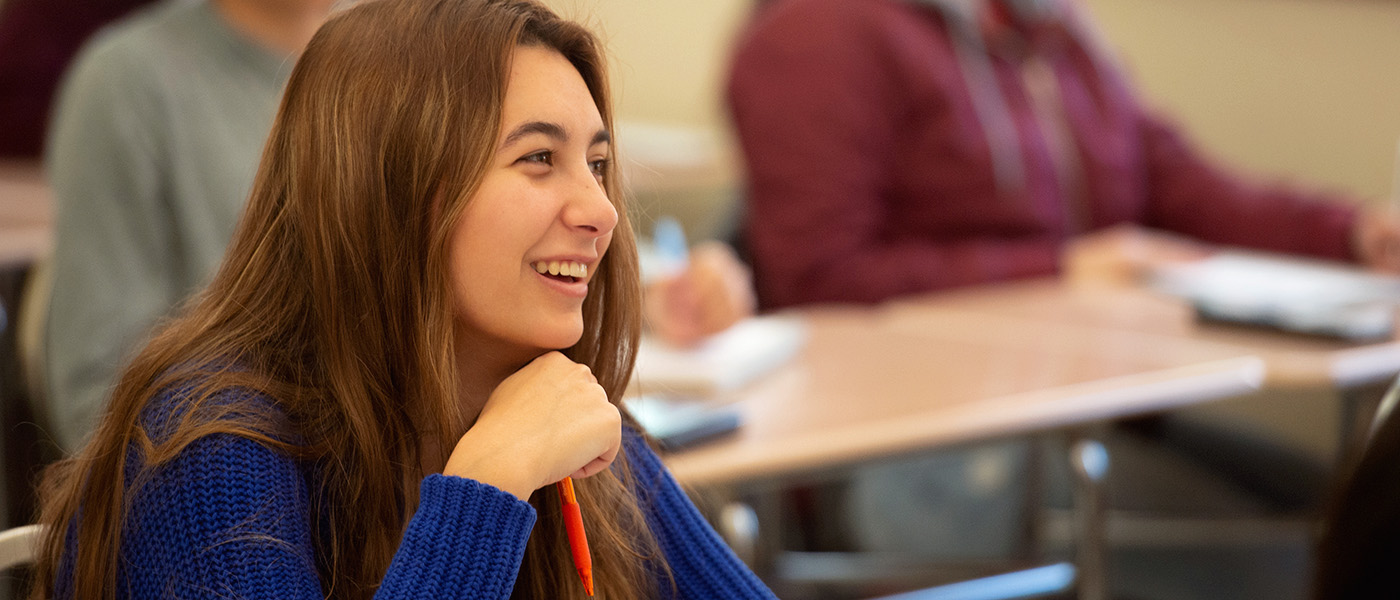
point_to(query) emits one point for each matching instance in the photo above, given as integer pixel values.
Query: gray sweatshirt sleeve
(112, 240)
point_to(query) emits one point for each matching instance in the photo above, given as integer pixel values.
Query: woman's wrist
(501, 470)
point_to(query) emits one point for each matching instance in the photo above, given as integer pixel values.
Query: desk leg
(751, 524)
(1089, 465)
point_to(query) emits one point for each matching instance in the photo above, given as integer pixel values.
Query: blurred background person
(156, 136)
(928, 144)
(898, 147)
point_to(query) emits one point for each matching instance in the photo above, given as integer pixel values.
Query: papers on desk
(726, 361)
(1286, 293)
(673, 389)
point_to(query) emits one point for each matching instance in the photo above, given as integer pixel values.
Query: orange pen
(573, 525)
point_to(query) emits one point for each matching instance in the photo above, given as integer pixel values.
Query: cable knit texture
(229, 518)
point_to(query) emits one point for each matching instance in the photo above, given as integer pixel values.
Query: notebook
(1286, 293)
(725, 361)
(673, 391)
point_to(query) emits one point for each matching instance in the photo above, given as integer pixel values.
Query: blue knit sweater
(229, 518)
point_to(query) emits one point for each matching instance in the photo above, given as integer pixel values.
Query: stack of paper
(725, 361)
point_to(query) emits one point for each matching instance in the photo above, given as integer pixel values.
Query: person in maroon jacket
(896, 147)
(902, 146)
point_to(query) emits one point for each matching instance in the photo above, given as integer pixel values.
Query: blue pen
(673, 254)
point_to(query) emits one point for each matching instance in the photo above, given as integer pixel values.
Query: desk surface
(870, 384)
(1053, 305)
(26, 213)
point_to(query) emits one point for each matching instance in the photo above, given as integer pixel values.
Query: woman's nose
(589, 208)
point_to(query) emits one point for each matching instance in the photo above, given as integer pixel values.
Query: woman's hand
(545, 422)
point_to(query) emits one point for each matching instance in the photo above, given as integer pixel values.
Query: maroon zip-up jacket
(871, 176)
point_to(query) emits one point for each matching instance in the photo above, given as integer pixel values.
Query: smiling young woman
(428, 314)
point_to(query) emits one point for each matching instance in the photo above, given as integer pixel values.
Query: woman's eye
(599, 167)
(542, 158)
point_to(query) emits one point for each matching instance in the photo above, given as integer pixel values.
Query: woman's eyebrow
(551, 130)
(602, 137)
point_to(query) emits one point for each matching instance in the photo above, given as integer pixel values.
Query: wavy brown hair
(333, 303)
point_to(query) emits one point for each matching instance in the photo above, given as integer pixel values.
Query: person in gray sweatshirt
(154, 145)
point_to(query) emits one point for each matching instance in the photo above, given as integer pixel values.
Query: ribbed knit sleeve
(229, 518)
(226, 518)
(703, 565)
(466, 541)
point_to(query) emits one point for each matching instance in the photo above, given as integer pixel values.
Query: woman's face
(529, 241)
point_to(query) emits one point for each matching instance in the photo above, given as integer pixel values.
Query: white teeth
(566, 268)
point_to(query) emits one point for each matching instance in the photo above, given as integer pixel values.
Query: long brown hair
(333, 303)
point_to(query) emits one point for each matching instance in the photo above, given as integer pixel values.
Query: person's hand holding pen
(711, 291)
(547, 421)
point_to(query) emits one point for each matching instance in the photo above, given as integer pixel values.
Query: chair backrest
(29, 334)
(1360, 529)
(1386, 406)
(19, 545)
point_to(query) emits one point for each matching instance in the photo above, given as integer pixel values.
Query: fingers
(549, 420)
(673, 310)
(595, 466)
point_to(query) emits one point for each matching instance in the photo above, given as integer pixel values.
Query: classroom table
(1293, 360)
(868, 384)
(1063, 309)
(871, 384)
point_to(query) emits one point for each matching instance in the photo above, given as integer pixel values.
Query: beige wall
(1309, 89)
(1304, 89)
(668, 62)
(668, 55)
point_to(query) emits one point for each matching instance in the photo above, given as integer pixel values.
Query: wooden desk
(1293, 360)
(873, 383)
(1027, 310)
(870, 385)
